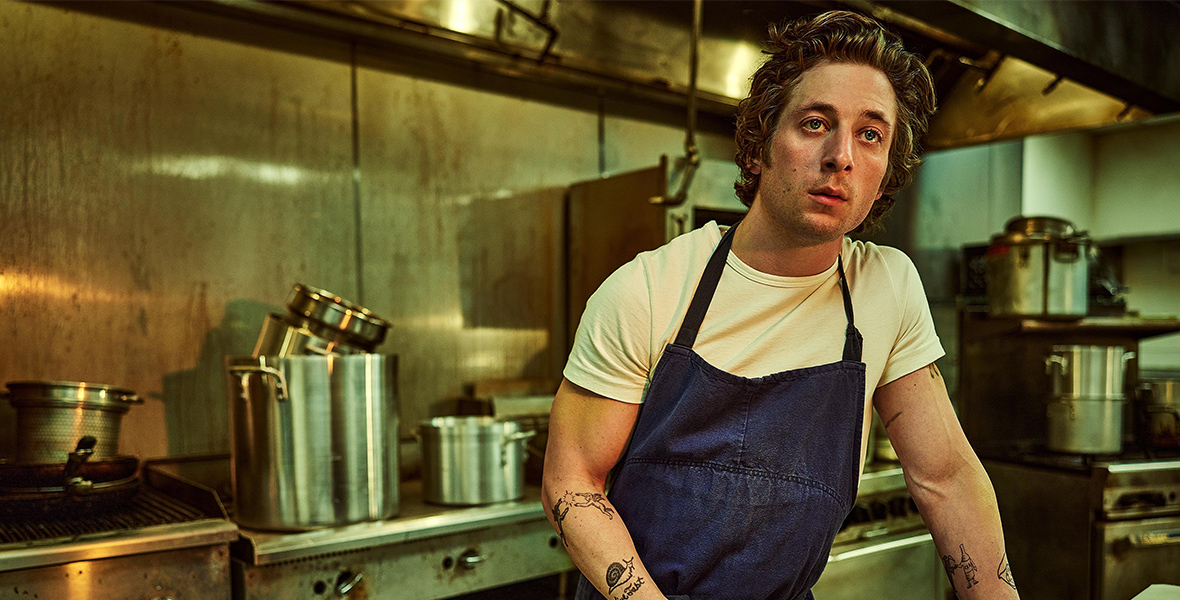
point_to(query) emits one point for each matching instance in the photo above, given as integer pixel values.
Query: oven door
(900, 566)
(1132, 555)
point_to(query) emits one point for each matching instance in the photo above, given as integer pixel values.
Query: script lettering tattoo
(618, 574)
(965, 563)
(580, 500)
(892, 419)
(631, 589)
(1004, 572)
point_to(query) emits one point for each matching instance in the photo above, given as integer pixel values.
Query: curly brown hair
(839, 36)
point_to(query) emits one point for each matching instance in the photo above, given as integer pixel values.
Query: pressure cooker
(1039, 267)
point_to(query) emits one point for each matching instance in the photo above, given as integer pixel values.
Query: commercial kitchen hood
(1002, 68)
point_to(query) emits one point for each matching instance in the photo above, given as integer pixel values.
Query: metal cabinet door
(903, 566)
(1135, 554)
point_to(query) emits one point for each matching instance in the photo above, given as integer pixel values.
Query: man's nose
(838, 151)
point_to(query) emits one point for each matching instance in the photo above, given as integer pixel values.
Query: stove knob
(860, 513)
(346, 582)
(879, 510)
(899, 506)
(470, 559)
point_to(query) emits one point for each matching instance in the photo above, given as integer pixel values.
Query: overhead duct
(1002, 68)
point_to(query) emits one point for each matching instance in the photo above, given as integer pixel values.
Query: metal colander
(51, 416)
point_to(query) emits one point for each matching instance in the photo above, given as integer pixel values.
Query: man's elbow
(949, 481)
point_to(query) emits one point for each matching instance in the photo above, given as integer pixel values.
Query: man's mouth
(827, 195)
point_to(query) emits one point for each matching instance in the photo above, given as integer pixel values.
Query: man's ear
(756, 167)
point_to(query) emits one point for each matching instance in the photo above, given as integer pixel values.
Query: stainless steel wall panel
(630, 143)
(159, 193)
(461, 196)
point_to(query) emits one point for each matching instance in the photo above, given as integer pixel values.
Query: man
(727, 373)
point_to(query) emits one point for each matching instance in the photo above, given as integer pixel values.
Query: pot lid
(1036, 230)
(1040, 227)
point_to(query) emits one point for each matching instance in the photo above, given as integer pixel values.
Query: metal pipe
(692, 158)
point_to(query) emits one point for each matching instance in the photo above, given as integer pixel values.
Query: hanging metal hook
(692, 158)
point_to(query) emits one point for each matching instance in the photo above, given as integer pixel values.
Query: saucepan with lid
(468, 461)
(1039, 267)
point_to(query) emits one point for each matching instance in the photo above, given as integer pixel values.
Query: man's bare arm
(948, 483)
(587, 435)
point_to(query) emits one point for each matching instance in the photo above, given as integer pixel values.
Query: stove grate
(148, 507)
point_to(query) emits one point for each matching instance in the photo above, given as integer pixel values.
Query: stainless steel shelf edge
(155, 538)
(886, 480)
(875, 546)
(1142, 467)
(261, 548)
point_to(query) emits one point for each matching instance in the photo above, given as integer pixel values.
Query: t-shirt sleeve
(917, 343)
(611, 355)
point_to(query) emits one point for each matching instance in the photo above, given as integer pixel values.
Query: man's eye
(872, 136)
(813, 124)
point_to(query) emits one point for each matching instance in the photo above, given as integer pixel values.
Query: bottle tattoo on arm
(561, 508)
(965, 564)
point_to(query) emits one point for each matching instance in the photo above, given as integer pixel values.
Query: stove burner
(148, 507)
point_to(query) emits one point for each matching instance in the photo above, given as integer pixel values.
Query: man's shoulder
(682, 254)
(872, 257)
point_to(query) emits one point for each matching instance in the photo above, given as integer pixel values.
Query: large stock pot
(1085, 412)
(314, 440)
(1039, 267)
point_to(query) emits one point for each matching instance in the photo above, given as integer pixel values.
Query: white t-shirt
(757, 324)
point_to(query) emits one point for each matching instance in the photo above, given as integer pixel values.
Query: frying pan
(40, 475)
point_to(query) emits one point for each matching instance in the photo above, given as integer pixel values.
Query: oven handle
(1155, 539)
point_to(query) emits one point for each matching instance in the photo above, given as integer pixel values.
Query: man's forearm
(962, 515)
(597, 539)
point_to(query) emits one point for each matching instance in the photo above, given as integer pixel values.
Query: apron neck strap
(704, 294)
(853, 342)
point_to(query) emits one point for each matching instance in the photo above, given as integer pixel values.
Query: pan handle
(1055, 359)
(1155, 539)
(280, 382)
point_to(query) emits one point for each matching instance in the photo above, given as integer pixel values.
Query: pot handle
(1055, 359)
(518, 436)
(280, 384)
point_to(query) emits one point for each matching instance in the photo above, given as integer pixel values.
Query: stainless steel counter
(157, 538)
(426, 552)
(416, 520)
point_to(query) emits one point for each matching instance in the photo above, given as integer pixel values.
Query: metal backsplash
(165, 178)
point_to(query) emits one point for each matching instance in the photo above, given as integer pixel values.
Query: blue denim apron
(734, 487)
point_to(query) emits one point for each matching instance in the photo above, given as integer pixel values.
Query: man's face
(829, 153)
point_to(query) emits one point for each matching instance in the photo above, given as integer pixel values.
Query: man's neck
(764, 248)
